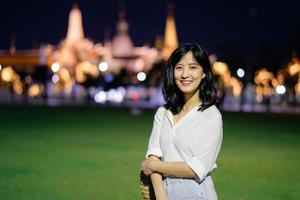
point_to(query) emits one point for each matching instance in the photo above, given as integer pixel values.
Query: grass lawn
(91, 153)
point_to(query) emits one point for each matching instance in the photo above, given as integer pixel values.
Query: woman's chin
(188, 91)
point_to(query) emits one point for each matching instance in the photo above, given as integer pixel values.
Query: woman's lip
(186, 82)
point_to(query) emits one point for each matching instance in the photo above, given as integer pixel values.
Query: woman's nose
(184, 73)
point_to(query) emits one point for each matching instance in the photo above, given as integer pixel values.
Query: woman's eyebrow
(193, 63)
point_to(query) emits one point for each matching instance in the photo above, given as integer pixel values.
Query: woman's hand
(148, 166)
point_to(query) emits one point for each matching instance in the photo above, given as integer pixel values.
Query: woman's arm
(180, 169)
(156, 179)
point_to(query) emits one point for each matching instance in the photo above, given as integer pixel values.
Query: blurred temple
(80, 71)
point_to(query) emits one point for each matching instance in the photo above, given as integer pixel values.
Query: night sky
(215, 25)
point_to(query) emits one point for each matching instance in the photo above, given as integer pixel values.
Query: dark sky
(213, 24)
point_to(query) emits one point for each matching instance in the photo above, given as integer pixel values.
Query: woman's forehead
(188, 58)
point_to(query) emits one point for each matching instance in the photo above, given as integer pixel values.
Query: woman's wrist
(156, 165)
(162, 196)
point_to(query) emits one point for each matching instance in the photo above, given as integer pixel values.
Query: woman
(187, 131)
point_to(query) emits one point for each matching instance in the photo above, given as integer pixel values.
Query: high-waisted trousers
(189, 189)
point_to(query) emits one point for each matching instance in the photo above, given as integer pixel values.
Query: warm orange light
(236, 86)
(274, 82)
(265, 83)
(35, 90)
(294, 69)
(171, 39)
(65, 77)
(17, 86)
(280, 77)
(220, 68)
(263, 76)
(8, 74)
(297, 87)
(83, 69)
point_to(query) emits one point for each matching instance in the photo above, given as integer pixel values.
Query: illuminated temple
(118, 52)
(116, 70)
(77, 59)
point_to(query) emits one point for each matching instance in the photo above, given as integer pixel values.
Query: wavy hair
(172, 94)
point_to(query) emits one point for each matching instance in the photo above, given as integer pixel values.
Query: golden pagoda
(75, 32)
(170, 38)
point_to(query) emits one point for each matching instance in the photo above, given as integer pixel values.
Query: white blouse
(196, 138)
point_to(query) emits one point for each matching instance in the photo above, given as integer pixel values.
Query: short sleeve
(203, 160)
(154, 146)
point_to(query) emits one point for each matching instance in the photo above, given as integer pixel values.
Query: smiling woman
(187, 131)
(188, 74)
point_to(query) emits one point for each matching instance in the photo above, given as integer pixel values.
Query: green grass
(91, 153)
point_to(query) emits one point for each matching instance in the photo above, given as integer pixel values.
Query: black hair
(172, 95)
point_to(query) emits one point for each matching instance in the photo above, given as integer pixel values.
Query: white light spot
(141, 76)
(55, 78)
(100, 97)
(114, 95)
(240, 72)
(280, 89)
(0, 67)
(121, 90)
(55, 67)
(103, 66)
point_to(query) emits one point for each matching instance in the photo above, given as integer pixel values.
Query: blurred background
(70, 71)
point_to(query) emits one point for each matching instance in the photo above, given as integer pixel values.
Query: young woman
(187, 131)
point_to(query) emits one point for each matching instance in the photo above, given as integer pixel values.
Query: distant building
(79, 57)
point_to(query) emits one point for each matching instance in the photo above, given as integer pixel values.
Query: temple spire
(12, 48)
(75, 32)
(122, 45)
(170, 38)
(122, 25)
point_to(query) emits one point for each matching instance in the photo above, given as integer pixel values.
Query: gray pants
(189, 189)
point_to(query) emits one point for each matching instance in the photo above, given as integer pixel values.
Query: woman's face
(188, 74)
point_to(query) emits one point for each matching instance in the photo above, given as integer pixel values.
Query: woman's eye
(178, 67)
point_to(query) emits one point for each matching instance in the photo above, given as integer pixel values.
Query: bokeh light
(103, 66)
(240, 72)
(141, 76)
(55, 67)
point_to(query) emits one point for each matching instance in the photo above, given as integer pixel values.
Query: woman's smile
(186, 82)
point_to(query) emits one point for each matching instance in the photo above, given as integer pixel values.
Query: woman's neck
(191, 101)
